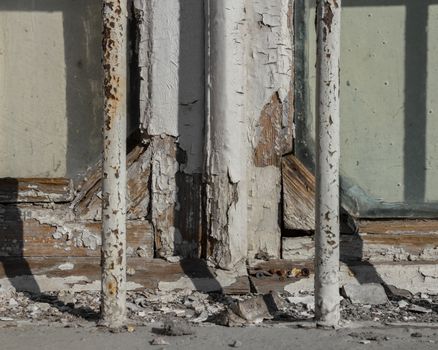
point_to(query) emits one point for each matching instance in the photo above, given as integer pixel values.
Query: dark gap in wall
(134, 76)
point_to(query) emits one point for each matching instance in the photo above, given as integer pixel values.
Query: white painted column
(227, 140)
(113, 305)
(327, 164)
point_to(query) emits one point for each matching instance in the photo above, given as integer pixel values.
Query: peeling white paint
(66, 266)
(328, 22)
(227, 141)
(172, 64)
(269, 62)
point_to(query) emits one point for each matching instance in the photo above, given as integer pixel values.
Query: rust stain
(111, 45)
(328, 16)
(112, 288)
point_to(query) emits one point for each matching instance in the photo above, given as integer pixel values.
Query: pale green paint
(50, 87)
(380, 118)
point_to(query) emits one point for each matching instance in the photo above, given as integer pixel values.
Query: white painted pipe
(227, 140)
(114, 43)
(327, 163)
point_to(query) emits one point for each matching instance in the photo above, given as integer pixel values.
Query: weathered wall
(250, 67)
(50, 96)
(171, 60)
(388, 104)
(269, 111)
(235, 141)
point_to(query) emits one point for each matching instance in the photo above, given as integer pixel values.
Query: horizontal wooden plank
(84, 273)
(31, 190)
(30, 238)
(298, 195)
(370, 247)
(397, 226)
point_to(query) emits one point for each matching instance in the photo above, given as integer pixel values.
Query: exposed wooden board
(268, 150)
(370, 247)
(148, 272)
(397, 226)
(88, 203)
(29, 190)
(298, 195)
(164, 195)
(30, 238)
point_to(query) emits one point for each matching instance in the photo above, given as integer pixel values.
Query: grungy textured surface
(114, 180)
(50, 97)
(215, 337)
(388, 108)
(269, 116)
(328, 24)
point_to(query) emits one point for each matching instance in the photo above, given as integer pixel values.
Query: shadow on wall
(191, 111)
(81, 27)
(13, 260)
(189, 217)
(413, 150)
(415, 92)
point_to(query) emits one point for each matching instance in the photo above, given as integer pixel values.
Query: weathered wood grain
(88, 203)
(31, 190)
(298, 195)
(397, 226)
(385, 247)
(30, 238)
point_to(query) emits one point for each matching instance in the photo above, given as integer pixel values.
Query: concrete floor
(216, 337)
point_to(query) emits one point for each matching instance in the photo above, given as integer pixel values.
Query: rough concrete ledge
(415, 276)
(83, 274)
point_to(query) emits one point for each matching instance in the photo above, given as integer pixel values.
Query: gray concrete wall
(50, 91)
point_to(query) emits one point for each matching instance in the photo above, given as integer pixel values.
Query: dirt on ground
(185, 319)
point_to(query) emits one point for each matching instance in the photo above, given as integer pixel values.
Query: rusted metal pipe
(327, 163)
(113, 304)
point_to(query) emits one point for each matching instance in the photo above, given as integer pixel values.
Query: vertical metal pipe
(327, 163)
(113, 306)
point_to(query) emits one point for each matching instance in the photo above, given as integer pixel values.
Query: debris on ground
(368, 336)
(253, 310)
(419, 309)
(394, 292)
(195, 308)
(236, 344)
(158, 341)
(307, 300)
(416, 335)
(177, 327)
(369, 293)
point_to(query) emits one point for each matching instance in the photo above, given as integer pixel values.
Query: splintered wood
(298, 195)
